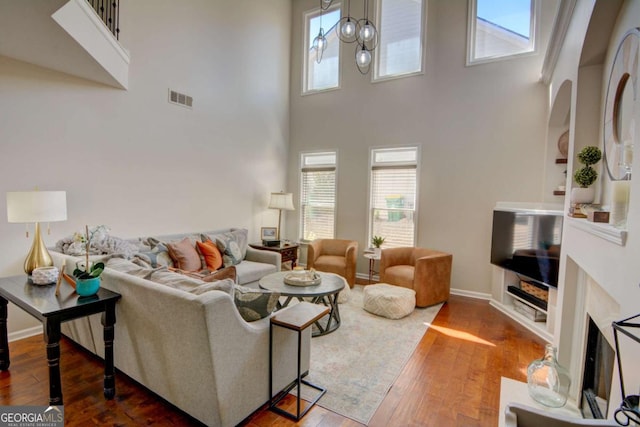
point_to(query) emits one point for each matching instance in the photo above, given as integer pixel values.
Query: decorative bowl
(306, 279)
(44, 275)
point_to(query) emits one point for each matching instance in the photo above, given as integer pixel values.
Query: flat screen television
(527, 242)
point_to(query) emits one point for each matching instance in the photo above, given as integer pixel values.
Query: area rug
(359, 362)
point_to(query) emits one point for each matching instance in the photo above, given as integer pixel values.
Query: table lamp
(36, 207)
(283, 202)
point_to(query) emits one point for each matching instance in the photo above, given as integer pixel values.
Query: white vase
(583, 195)
(377, 252)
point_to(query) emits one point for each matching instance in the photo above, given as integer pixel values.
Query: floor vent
(180, 99)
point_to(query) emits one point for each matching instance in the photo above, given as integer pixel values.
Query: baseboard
(471, 294)
(454, 291)
(25, 333)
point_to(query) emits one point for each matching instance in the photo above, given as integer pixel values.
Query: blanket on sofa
(105, 245)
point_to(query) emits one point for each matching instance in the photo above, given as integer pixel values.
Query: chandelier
(362, 32)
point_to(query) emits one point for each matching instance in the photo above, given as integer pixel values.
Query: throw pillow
(211, 254)
(238, 235)
(184, 255)
(231, 253)
(156, 255)
(241, 236)
(255, 304)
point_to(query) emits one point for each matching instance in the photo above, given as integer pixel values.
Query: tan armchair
(334, 256)
(426, 271)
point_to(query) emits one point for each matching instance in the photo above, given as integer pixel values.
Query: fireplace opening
(598, 372)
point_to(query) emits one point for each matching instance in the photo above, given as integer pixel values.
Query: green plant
(377, 241)
(587, 175)
(96, 269)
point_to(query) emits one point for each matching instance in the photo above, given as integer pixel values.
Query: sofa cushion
(184, 255)
(255, 304)
(331, 264)
(251, 271)
(126, 266)
(190, 284)
(401, 275)
(211, 254)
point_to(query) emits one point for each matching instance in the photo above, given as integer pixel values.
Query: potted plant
(87, 274)
(586, 176)
(377, 241)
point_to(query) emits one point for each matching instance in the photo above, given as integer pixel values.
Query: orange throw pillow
(211, 253)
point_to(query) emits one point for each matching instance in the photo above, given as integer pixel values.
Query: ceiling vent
(180, 99)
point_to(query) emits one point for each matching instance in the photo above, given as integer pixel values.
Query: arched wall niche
(589, 89)
(558, 144)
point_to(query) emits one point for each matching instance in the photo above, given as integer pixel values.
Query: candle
(619, 203)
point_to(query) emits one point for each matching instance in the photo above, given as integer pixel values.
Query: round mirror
(620, 108)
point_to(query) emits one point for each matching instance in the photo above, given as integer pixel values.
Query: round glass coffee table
(325, 293)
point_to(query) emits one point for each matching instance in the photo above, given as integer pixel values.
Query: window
(318, 195)
(393, 195)
(500, 28)
(325, 74)
(400, 47)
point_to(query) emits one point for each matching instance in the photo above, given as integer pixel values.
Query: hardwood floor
(452, 379)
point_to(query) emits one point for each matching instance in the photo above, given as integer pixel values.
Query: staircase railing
(109, 12)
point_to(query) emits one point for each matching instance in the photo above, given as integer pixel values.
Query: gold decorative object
(36, 207)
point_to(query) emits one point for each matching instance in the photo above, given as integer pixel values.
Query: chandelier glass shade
(363, 58)
(319, 45)
(350, 30)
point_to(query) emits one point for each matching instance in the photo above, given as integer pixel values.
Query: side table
(296, 318)
(372, 257)
(42, 303)
(288, 252)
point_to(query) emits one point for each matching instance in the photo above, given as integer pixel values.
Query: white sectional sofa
(195, 351)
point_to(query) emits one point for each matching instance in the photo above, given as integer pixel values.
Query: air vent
(180, 99)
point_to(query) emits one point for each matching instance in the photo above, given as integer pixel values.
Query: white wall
(131, 160)
(613, 267)
(481, 129)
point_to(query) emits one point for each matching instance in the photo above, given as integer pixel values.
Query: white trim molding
(558, 34)
(24, 333)
(470, 294)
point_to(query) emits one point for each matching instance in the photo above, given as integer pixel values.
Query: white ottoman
(393, 302)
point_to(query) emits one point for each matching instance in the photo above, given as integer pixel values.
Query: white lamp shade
(36, 206)
(282, 201)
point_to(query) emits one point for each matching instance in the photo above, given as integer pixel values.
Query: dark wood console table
(42, 303)
(288, 252)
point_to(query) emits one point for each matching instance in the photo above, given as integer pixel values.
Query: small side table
(372, 257)
(42, 303)
(296, 318)
(288, 252)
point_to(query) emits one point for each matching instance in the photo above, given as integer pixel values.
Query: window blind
(393, 202)
(318, 200)
(400, 49)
